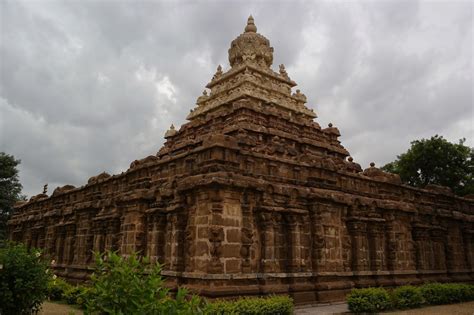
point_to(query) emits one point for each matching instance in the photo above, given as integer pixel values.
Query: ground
(50, 308)
(452, 309)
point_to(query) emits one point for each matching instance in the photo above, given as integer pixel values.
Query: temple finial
(250, 28)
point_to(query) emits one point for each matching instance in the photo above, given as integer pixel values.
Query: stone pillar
(468, 247)
(170, 251)
(390, 246)
(268, 245)
(83, 233)
(305, 243)
(152, 237)
(318, 242)
(180, 240)
(377, 246)
(294, 245)
(69, 243)
(112, 230)
(60, 236)
(50, 239)
(421, 239)
(360, 246)
(437, 240)
(246, 236)
(133, 230)
(216, 236)
(99, 237)
(216, 232)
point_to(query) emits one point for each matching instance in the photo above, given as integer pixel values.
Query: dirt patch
(50, 308)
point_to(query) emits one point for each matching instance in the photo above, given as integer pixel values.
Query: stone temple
(251, 196)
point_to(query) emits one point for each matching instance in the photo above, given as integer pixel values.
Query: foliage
(78, 295)
(56, 288)
(446, 293)
(280, 305)
(133, 285)
(10, 189)
(372, 300)
(368, 300)
(436, 161)
(407, 297)
(24, 279)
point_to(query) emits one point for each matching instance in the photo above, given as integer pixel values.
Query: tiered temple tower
(252, 196)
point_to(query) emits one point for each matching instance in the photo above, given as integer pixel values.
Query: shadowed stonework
(252, 196)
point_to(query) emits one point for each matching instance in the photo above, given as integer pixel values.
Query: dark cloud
(90, 86)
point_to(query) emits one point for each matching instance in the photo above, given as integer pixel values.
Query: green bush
(278, 305)
(369, 300)
(407, 297)
(134, 286)
(446, 293)
(75, 295)
(56, 288)
(24, 280)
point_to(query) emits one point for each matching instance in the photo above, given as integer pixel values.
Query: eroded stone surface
(252, 196)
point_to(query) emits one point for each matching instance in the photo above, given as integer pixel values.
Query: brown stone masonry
(252, 196)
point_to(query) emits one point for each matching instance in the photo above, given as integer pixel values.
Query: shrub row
(121, 286)
(60, 290)
(373, 300)
(278, 305)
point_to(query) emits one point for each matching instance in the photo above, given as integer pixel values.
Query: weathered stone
(252, 188)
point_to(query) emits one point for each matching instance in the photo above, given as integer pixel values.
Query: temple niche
(252, 196)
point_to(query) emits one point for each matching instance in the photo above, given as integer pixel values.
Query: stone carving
(172, 131)
(252, 196)
(95, 179)
(215, 239)
(378, 174)
(218, 73)
(283, 72)
(63, 189)
(251, 47)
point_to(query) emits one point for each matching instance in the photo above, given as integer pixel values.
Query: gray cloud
(90, 86)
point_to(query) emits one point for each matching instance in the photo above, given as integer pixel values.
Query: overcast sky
(89, 86)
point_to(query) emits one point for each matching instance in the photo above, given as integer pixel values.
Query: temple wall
(256, 212)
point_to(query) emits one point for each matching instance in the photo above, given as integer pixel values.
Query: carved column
(216, 236)
(360, 248)
(152, 237)
(468, 247)
(161, 238)
(180, 240)
(305, 243)
(318, 241)
(70, 233)
(421, 238)
(391, 245)
(170, 249)
(294, 245)
(111, 238)
(99, 237)
(437, 241)
(377, 246)
(60, 236)
(246, 236)
(268, 245)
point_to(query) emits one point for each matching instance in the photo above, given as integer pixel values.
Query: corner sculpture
(251, 196)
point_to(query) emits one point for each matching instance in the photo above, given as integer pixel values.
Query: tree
(436, 161)
(10, 189)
